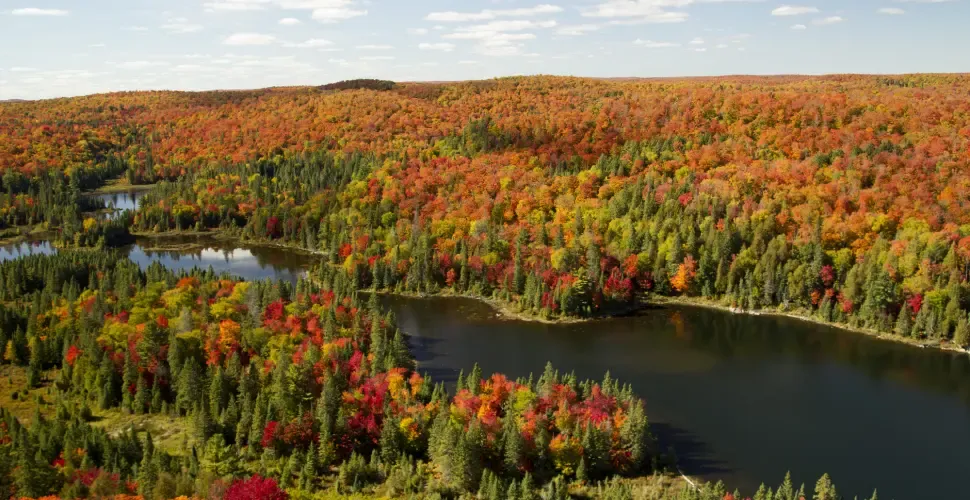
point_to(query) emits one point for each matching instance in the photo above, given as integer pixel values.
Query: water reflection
(742, 398)
(25, 248)
(254, 263)
(121, 201)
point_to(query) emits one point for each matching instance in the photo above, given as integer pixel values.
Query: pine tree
(205, 426)
(148, 469)
(581, 474)
(962, 333)
(189, 385)
(142, 396)
(156, 396)
(34, 476)
(526, 490)
(217, 392)
(824, 489)
(514, 446)
(128, 384)
(474, 380)
(904, 322)
(389, 442)
(309, 471)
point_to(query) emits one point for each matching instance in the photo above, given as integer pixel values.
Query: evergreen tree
(148, 469)
(34, 476)
(142, 396)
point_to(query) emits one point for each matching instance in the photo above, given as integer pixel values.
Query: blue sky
(72, 47)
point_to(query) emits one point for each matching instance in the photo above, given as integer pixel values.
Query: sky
(54, 48)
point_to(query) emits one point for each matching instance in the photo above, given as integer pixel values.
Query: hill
(842, 197)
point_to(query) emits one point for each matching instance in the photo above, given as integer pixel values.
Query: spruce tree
(148, 468)
(128, 383)
(389, 441)
(34, 476)
(142, 396)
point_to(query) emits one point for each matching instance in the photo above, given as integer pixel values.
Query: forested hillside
(150, 384)
(840, 197)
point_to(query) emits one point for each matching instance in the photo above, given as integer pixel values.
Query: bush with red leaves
(255, 488)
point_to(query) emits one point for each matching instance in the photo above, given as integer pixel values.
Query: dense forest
(842, 198)
(266, 389)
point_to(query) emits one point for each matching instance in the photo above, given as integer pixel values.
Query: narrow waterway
(740, 398)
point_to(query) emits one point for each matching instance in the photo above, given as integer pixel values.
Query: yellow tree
(685, 274)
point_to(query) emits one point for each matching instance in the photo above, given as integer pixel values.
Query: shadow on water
(423, 349)
(694, 456)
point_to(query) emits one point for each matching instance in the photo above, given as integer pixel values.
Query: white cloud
(891, 11)
(722, 45)
(335, 14)
(325, 11)
(235, 5)
(650, 44)
(799, 27)
(140, 64)
(794, 10)
(510, 25)
(189, 68)
(829, 20)
(33, 11)
(697, 41)
(486, 15)
(97, 45)
(375, 47)
(577, 30)
(290, 21)
(646, 11)
(21, 69)
(702, 49)
(313, 43)
(249, 39)
(417, 31)
(135, 28)
(467, 62)
(181, 25)
(444, 47)
(493, 38)
(377, 58)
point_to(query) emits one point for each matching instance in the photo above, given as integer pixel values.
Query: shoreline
(507, 310)
(118, 187)
(708, 304)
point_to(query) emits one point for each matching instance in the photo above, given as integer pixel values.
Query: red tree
(255, 488)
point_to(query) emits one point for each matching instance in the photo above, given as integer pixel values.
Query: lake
(121, 201)
(250, 262)
(741, 398)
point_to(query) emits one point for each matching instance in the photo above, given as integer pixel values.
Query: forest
(265, 389)
(839, 198)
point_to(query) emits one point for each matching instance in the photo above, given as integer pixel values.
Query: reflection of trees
(17, 250)
(768, 336)
(200, 249)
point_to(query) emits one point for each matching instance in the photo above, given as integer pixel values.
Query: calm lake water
(740, 398)
(254, 263)
(120, 201)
